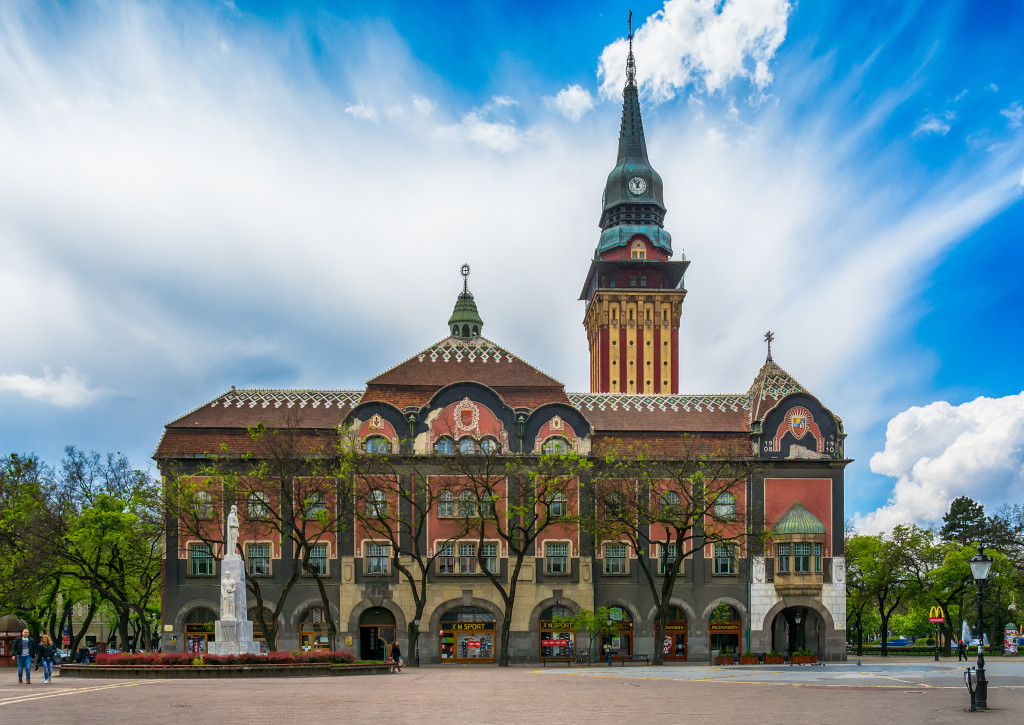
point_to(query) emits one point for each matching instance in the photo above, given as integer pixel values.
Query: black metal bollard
(972, 687)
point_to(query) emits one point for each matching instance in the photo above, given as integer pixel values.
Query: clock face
(637, 186)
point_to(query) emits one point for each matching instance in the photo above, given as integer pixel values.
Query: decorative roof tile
(288, 398)
(663, 402)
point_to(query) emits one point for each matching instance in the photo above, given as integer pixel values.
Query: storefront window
(556, 642)
(199, 630)
(467, 635)
(674, 642)
(724, 629)
(619, 636)
(313, 632)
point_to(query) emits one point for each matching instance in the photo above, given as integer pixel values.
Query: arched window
(446, 504)
(557, 504)
(376, 504)
(316, 504)
(725, 506)
(467, 504)
(377, 445)
(476, 331)
(467, 446)
(555, 446)
(638, 250)
(670, 506)
(445, 446)
(455, 330)
(488, 446)
(465, 330)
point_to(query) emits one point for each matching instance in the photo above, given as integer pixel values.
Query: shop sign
(935, 615)
(675, 627)
(471, 626)
(473, 643)
(555, 642)
(67, 639)
(727, 627)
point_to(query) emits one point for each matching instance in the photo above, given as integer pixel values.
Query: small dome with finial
(465, 322)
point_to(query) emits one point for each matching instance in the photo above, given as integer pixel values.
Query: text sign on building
(935, 615)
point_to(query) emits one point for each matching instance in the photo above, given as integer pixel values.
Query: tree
(676, 504)
(964, 522)
(390, 500)
(284, 485)
(514, 500)
(859, 601)
(593, 623)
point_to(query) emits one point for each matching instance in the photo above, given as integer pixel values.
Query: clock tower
(634, 291)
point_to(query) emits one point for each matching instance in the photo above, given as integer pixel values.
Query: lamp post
(798, 642)
(980, 566)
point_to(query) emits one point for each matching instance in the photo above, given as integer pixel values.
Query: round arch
(734, 603)
(807, 602)
(634, 613)
(184, 609)
(357, 612)
(550, 602)
(691, 614)
(467, 640)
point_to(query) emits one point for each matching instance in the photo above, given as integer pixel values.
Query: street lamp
(797, 642)
(980, 566)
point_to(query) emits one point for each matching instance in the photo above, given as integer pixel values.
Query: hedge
(271, 658)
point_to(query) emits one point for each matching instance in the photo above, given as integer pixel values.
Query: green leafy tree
(593, 624)
(667, 508)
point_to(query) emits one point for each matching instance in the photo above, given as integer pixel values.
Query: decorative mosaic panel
(289, 398)
(774, 382)
(665, 403)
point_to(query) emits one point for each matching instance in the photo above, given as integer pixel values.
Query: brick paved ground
(901, 692)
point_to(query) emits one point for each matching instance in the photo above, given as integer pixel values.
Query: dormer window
(638, 250)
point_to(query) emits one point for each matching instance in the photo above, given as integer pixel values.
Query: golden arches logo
(936, 615)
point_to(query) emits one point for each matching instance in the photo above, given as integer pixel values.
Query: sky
(195, 195)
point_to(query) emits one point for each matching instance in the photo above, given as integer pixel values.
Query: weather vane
(465, 278)
(768, 337)
(630, 62)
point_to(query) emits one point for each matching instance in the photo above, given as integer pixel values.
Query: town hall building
(467, 396)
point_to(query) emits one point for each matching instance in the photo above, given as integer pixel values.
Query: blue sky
(195, 195)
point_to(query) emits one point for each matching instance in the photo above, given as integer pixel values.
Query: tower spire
(465, 322)
(630, 60)
(768, 337)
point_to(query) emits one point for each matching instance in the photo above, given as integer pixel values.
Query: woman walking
(396, 657)
(46, 649)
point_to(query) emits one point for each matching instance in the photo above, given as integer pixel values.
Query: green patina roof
(618, 236)
(465, 321)
(798, 520)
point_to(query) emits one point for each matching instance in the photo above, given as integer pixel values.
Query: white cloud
(491, 135)
(572, 102)
(362, 111)
(423, 106)
(68, 390)
(707, 43)
(932, 125)
(1014, 115)
(940, 451)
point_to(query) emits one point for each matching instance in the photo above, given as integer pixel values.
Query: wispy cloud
(70, 389)
(362, 111)
(1014, 115)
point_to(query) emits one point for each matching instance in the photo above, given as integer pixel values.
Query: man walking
(25, 651)
(961, 650)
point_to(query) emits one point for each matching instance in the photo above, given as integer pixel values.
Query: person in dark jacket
(396, 657)
(961, 650)
(25, 651)
(46, 650)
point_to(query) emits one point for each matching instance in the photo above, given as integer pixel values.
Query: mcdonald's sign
(935, 615)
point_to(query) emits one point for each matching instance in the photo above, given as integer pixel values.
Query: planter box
(221, 671)
(774, 660)
(724, 660)
(751, 660)
(804, 659)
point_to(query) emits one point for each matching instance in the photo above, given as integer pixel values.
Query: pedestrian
(961, 650)
(608, 653)
(25, 651)
(396, 657)
(46, 650)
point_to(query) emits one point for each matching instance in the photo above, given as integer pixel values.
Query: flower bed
(271, 658)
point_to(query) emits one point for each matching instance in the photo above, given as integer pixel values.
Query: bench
(631, 658)
(566, 660)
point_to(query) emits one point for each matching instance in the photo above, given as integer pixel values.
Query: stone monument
(233, 631)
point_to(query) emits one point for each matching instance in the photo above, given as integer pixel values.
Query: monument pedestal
(233, 636)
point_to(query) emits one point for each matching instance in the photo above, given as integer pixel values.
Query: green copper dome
(465, 322)
(798, 520)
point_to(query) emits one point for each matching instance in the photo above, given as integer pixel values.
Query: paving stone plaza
(907, 691)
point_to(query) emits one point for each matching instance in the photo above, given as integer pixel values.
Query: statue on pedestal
(232, 540)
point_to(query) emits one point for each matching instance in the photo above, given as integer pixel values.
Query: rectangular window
(258, 505)
(316, 505)
(556, 558)
(724, 563)
(817, 558)
(259, 559)
(725, 507)
(467, 558)
(668, 556)
(377, 557)
(489, 554)
(615, 559)
(318, 559)
(802, 558)
(446, 504)
(200, 560)
(782, 560)
(202, 506)
(446, 559)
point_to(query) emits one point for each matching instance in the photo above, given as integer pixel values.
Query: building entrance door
(376, 633)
